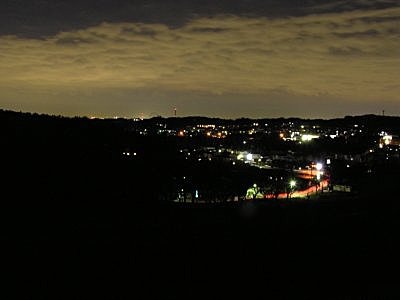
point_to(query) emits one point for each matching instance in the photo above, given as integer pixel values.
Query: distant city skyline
(229, 59)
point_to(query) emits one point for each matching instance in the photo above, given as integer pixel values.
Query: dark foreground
(103, 247)
(77, 216)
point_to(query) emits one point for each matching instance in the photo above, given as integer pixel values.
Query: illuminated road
(311, 190)
(304, 193)
(306, 174)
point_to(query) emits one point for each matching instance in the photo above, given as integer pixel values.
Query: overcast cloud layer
(225, 65)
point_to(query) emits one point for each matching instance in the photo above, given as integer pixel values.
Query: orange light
(208, 133)
(281, 135)
(181, 133)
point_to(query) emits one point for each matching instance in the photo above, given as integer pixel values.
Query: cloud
(352, 55)
(43, 18)
(346, 51)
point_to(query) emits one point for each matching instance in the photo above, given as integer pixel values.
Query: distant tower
(175, 112)
(383, 112)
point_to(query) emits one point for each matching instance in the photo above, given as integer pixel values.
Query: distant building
(389, 140)
(341, 188)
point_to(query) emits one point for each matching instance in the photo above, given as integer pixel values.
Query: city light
(308, 137)
(292, 183)
(319, 167)
(387, 139)
(249, 156)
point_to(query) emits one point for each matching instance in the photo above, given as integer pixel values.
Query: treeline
(370, 121)
(52, 159)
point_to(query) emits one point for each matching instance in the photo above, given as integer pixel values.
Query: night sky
(229, 58)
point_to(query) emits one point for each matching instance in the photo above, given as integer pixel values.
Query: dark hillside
(74, 208)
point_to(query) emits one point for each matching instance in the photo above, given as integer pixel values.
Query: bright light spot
(233, 163)
(348, 166)
(387, 139)
(254, 185)
(196, 195)
(292, 183)
(181, 133)
(308, 137)
(328, 161)
(249, 156)
(281, 135)
(318, 166)
(244, 142)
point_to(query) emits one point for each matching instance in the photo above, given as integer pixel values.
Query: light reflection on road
(304, 193)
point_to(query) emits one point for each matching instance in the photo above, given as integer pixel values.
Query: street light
(292, 184)
(319, 167)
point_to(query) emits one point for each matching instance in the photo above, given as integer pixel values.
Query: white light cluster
(308, 137)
